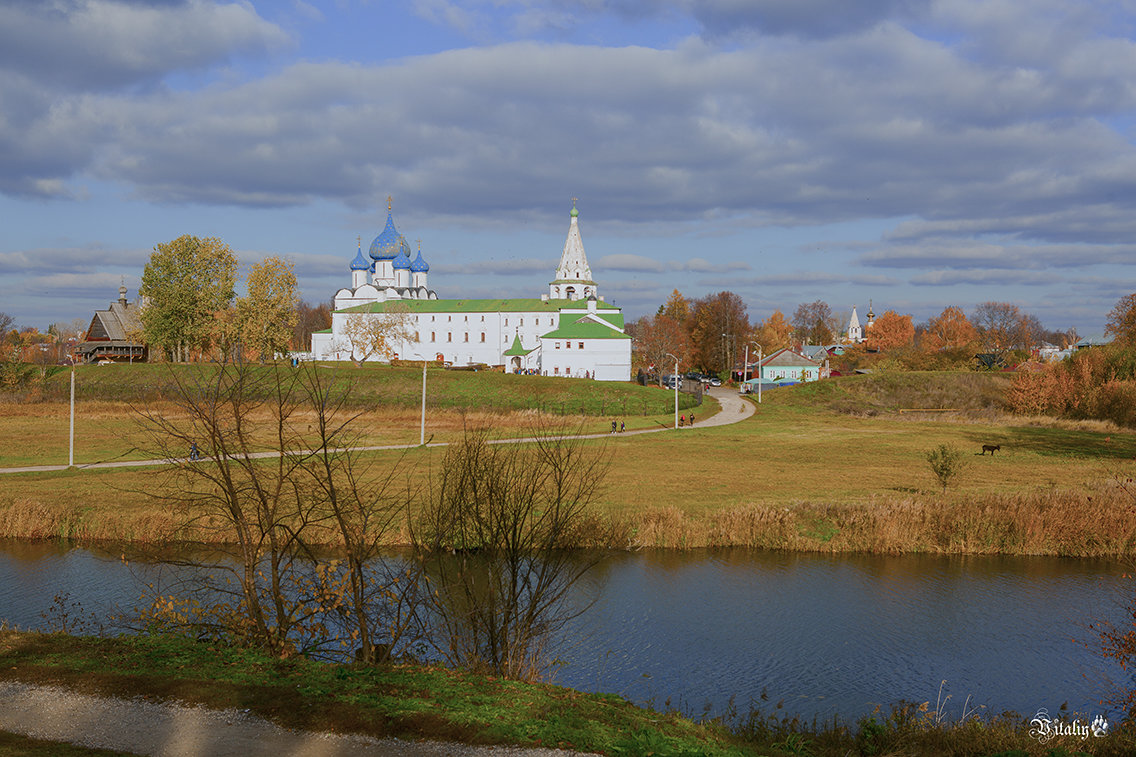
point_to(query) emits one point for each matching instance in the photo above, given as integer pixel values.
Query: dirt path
(734, 409)
(170, 729)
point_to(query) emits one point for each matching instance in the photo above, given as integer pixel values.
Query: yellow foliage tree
(773, 333)
(267, 316)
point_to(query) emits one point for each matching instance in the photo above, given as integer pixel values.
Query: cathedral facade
(569, 331)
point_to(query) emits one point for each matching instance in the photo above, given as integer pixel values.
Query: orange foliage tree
(656, 337)
(950, 330)
(1122, 322)
(891, 331)
(773, 333)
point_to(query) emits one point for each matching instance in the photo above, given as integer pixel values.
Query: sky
(915, 154)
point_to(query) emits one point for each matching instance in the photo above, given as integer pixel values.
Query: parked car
(715, 381)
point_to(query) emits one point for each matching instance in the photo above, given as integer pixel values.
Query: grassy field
(835, 466)
(34, 427)
(411, 701)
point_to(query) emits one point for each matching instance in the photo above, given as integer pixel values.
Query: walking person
(692, 419)
(682, 421)
(193, 456)
(621, 427)
(613, 425)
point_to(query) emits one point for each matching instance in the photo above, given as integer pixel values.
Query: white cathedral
(570, 331)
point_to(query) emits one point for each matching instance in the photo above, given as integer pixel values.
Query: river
(805, 635)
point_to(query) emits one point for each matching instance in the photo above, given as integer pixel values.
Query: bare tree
(377, 334)
(998, 325)
(814, 323)
(363, 504)
(497, 535)
(269, 472)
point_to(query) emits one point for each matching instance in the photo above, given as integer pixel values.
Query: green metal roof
(583, 328)
(523, 305)
(517, 350)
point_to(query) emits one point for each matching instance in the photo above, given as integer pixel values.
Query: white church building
(569, 331)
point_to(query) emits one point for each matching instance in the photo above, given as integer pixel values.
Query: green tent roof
(517, 350)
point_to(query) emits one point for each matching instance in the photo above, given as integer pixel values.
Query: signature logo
(1045, 728)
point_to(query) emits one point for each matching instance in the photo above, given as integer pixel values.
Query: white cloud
(109, 43)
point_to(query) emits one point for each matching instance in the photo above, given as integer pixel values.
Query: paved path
(169, 729)
(735, 408)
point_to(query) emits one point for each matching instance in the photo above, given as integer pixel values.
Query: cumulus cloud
(996, 130)
(94, 44)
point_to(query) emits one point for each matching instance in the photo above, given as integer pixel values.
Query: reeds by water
(1098, 522)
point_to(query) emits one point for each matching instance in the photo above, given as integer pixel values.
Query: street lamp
(674, 378)
(760, 379)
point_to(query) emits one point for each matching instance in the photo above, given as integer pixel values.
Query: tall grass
(1100, 522)
(1061, 522)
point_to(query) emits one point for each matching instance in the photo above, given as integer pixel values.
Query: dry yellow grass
(795, 476)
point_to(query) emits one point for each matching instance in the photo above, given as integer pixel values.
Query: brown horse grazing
(991, 448)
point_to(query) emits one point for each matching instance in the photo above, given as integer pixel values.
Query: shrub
(946, 463)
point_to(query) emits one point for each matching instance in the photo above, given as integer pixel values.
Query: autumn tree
(658, 336)
(814, 323)
(950, 330)
(998, 325)
(891, 331)
(773, 333)
(309, 319)
(186, 283)
(1121, 324)
(676, 308)
(377, 334)
(718, 329)
(267, 316)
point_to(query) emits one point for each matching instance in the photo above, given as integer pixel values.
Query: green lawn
(106, 427)
(407, 701)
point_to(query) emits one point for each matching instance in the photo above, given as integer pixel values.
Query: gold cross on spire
(359, 240)
(389, 201)
(419, 241)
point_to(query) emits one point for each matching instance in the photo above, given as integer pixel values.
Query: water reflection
(825, 635)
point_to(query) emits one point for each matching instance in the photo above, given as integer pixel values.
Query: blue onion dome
(419, 265)
(402, 260)
(360, 263)
(386, 245)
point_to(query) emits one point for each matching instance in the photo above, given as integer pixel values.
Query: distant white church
(570, 331)
(856, 332)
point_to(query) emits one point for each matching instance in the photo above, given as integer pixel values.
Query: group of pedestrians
(682, 420)
(617, 429)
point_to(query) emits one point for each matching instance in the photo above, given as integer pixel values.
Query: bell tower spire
(573, 276)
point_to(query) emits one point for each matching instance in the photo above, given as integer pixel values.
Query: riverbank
(408, 702)
(413, 702)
